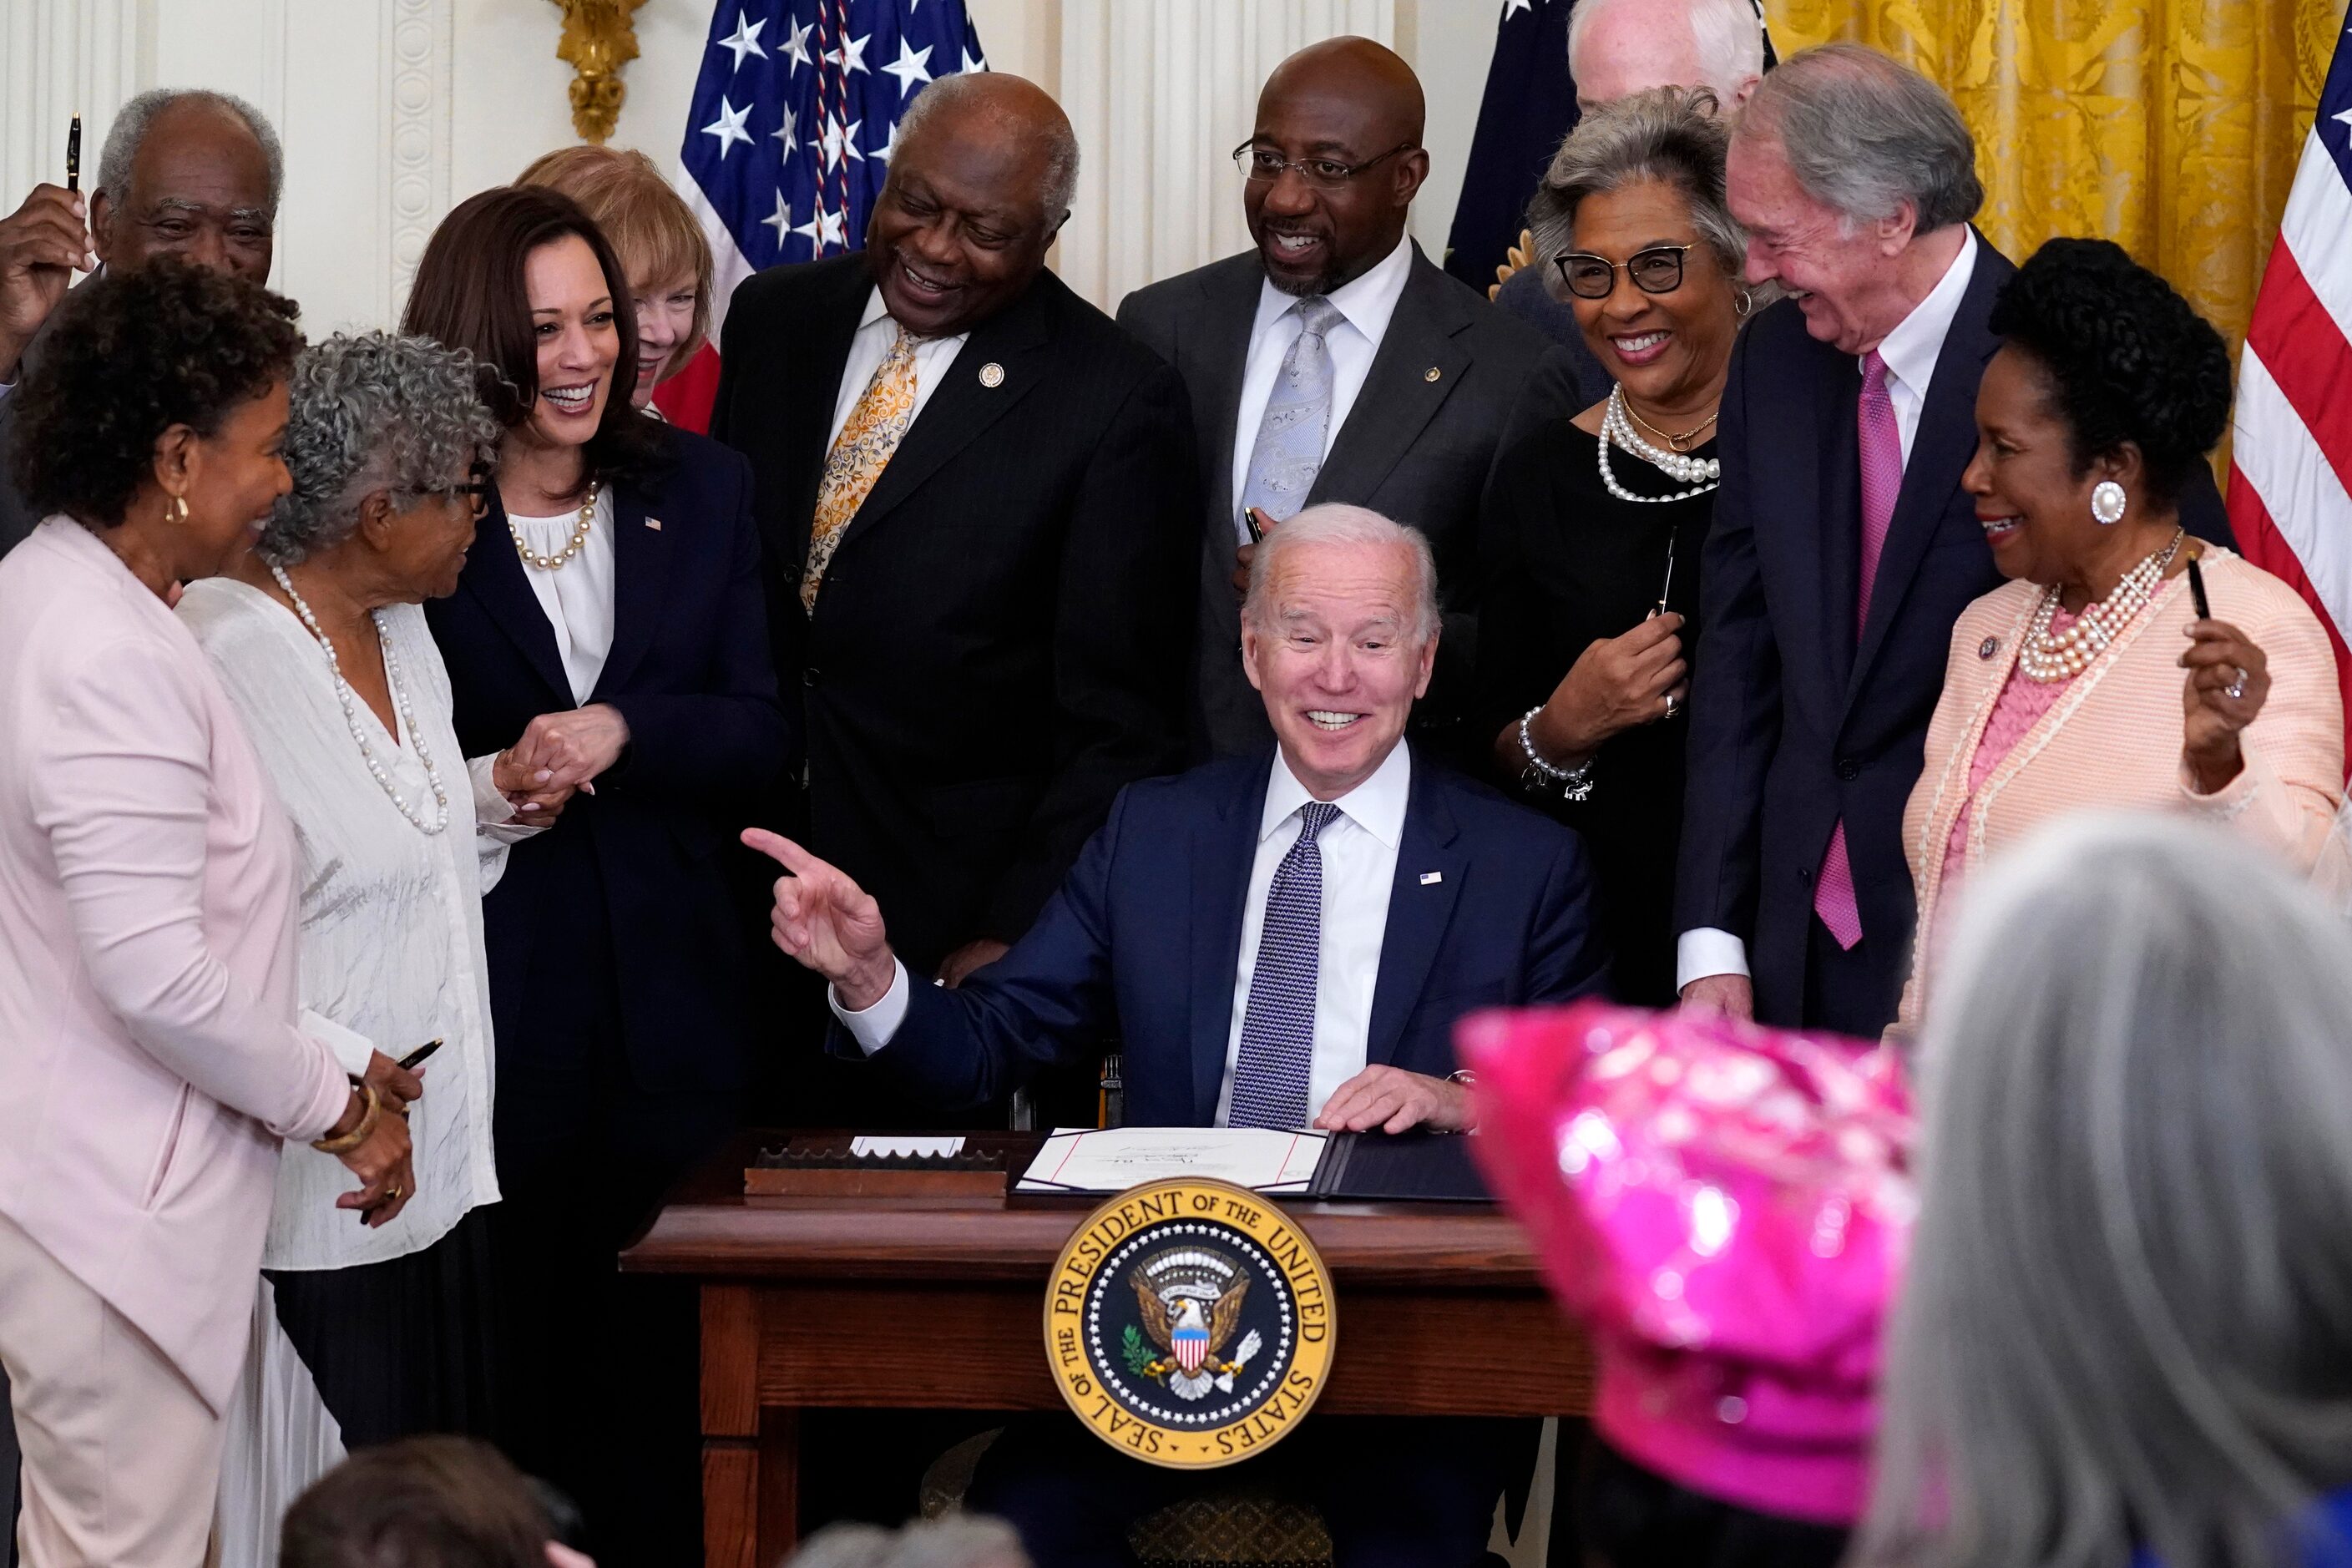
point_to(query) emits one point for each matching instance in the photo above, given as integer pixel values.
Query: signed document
(1084, 1160)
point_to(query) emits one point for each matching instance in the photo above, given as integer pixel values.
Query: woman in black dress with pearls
(1592, 525)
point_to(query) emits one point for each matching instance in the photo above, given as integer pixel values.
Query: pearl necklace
(2047, 657)
(579, 536)
(344, 695)
(1702, 474)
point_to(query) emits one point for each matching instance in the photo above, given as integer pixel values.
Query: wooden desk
(811, 1303)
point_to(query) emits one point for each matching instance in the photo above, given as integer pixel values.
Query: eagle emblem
(1189, 1300)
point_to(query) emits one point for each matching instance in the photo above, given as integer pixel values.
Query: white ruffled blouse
(390, 937)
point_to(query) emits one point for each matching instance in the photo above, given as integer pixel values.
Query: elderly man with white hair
(1281, 940)
(1843, 547)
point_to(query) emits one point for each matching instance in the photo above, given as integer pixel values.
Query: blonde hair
(649, 228)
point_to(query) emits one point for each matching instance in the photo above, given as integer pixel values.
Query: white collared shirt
(1359, 856)
(1910, 350)
(876, 331)
(1915, 345)
(577, 597)
(1366, 302)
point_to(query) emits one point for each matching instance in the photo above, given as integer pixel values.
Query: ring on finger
(1674, 704)
(2237, 688)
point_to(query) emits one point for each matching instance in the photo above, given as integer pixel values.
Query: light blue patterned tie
(1277, 1054)
(1289, 449)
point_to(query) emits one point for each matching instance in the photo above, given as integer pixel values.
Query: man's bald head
(1372, 78)
(1342, 119)
(980, 181)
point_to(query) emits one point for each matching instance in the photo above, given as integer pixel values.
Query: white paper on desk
(1076, 1159)
(904, 1148)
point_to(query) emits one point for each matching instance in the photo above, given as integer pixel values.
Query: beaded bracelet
(1573, 783)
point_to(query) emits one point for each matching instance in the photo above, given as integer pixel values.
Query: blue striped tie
(1277, 1054)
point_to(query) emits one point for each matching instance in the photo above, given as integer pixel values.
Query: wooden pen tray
(826, 1168)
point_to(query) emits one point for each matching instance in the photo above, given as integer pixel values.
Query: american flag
(2291, 446)
(795, 115)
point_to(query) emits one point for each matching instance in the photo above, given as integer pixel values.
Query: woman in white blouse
(319, 642)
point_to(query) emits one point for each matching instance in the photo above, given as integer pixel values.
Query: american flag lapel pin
(654, 523)
(1431, 879)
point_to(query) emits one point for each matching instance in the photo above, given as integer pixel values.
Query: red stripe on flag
(2259, 541)
(2304, 349)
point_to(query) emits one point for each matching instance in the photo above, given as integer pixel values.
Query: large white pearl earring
(2107, 503)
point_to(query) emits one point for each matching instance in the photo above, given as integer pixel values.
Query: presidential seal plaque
(1190, 1324)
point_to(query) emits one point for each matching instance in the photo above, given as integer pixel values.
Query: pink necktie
(1882, 481)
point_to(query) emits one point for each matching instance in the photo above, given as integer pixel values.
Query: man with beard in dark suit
(1336, 362)
(976, 499)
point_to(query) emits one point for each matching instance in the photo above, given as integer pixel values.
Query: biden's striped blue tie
(1277, 1054)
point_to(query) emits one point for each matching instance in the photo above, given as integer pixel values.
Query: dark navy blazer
(691, 671)
(1490, 906)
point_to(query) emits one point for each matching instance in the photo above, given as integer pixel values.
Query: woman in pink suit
(152, 1051)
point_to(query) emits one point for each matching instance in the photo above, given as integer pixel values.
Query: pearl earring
(2107, 503)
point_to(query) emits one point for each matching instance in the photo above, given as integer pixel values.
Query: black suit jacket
(689, 670)
(1417, 446)
(1794, 723)
(999, 644)
(1490, 908)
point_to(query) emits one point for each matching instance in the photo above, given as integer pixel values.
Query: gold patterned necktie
(877, 425)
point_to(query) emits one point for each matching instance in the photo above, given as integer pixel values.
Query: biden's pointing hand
(828, 922)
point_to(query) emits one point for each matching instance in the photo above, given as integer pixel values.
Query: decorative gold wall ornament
(599, 37)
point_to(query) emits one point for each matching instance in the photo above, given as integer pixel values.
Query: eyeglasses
(476, 487)
(1263, 166)
(1657, 270)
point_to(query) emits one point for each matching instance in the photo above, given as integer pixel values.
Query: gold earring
(179, 513)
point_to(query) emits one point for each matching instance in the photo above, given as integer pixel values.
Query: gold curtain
(2172, 127)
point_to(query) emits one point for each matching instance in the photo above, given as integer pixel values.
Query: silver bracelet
(1573, 783)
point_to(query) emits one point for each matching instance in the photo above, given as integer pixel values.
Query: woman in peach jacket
(2090, 678)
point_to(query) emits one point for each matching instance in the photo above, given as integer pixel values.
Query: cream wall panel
(1160, 91)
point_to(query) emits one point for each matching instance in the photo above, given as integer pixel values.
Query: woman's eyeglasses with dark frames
(1656, 270)
(1263, 166)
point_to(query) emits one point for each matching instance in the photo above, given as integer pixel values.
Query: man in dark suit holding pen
(1334, 362)
(1281, 938)
(976, 501)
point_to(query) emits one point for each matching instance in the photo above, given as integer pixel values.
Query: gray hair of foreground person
(1335, 523)
(954, 1542)
(372, 411)
(2127, 1318)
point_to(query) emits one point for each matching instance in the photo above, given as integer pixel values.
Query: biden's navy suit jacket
(1490, 906)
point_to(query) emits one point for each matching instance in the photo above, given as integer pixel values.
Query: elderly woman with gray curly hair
(365, 1335)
